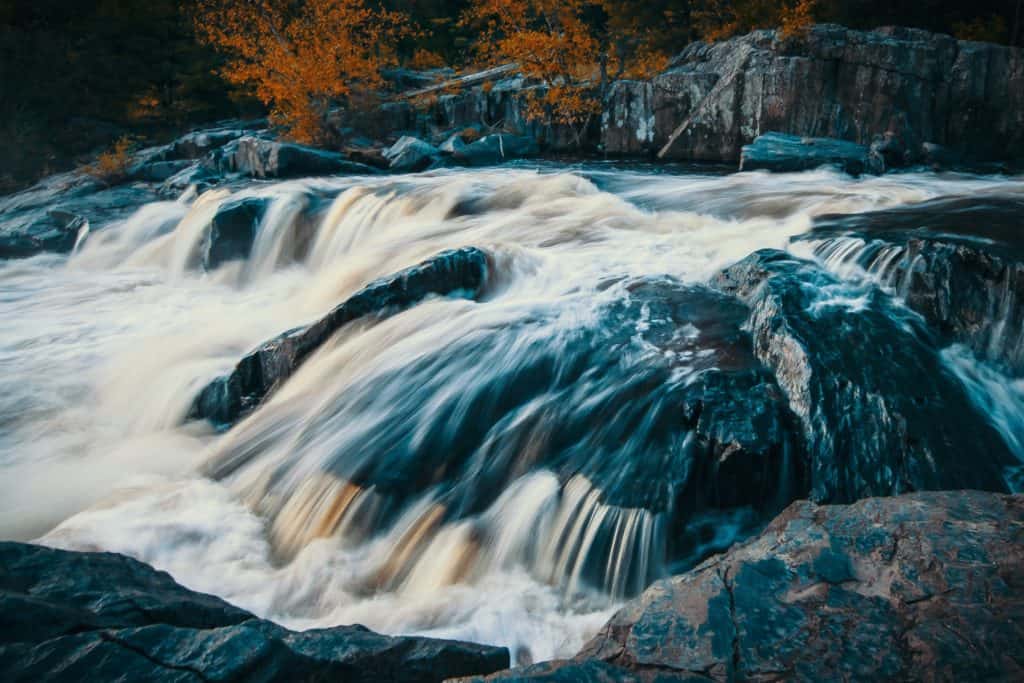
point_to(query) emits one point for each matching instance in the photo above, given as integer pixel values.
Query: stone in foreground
(928, 586)
(67, 616)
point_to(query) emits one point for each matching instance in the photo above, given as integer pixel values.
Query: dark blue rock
(880, 412)
(957, 261)
(496, 148)
(779, 153)
(919, 587)
(68, 616)
(462, 272)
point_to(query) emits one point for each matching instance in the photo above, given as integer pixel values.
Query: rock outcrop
(411, 154)
(788, 153)
(263, 158)
(460, 272)
(880, 412)
(67, 616)
(53, 214)
(836, 82)
(925, 586)
(232, 231)
(959, 262)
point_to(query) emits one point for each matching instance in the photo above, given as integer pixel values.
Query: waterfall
(506, 467)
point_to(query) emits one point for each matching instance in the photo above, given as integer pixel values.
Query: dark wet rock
(460, 272)
(453, 144)
(959, 262)
(157, 171)
(411, 154)
(200, 143)
(263, 158)
(100, 616)
(655, 403)
(195, 175)
(233, 231)
(495, 148)
(880, 412)
(890, 152)
(49, 216)
(55, 231)
(918, 587)
(938, 156)
(778, 152)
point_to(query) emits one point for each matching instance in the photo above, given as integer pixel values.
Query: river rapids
(484, 468)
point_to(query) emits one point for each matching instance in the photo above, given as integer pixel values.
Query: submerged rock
(921, 586)
(67, 616)
(233, 231)
(879, 411)
(787, 153)
(959, 262)
(224, 400)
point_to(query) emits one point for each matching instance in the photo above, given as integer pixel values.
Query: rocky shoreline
(925, 586)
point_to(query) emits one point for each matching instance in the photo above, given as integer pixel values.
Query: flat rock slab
(67, 616)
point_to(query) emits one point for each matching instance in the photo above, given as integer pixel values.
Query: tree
(574, 48)
(302, 56)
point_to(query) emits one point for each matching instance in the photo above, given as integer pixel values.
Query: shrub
(112, 165)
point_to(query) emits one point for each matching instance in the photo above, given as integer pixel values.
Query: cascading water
(499, 469)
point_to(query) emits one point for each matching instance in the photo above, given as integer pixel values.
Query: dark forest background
(77, 74)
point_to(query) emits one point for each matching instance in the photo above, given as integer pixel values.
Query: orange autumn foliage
(573, 48)
(550, 42)
(112, 165)
(302, 56)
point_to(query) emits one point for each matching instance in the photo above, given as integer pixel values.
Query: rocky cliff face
(835, 82)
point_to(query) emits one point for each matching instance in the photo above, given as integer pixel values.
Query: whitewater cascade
(495, 467)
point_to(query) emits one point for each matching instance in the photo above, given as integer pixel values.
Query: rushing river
(103, 352)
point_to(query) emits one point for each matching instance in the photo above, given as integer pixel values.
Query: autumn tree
(574, 48)
(302, 56)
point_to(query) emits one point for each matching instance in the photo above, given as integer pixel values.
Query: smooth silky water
(103, 352)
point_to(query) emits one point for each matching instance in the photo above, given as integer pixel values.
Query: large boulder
(68, 616)
(495, 148)
(959, 262)
(918, 587)
(411, 154)
(834, 82)
(227, 398)
(881, 414)
(233, 231)
(648, 420)
(778, 152)
(262, 158)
